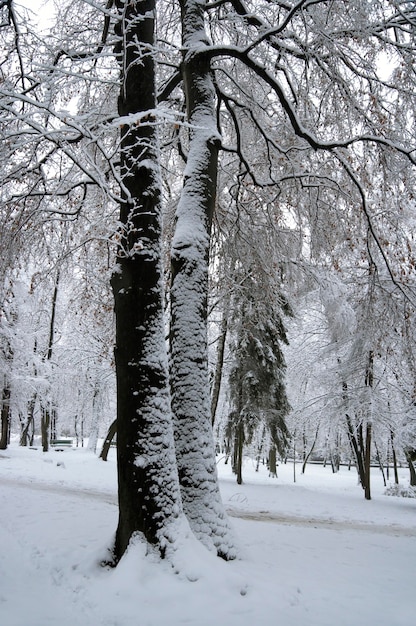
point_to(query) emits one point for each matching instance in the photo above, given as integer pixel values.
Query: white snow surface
(313, 552)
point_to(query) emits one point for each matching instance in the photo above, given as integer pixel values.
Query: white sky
(42, 10)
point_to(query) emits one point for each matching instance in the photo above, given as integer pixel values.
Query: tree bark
(148, 487)
(195, 451)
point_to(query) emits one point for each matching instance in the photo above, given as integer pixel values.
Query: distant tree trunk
(272, 462)
(260, 450)
(307, 457)
(45, 420)
(369, 382)
(5, 418)
(367, 461)
(54, 423)
(393, 450)
(29, 423)
(94, 430)
(194, 442)
(107, 441)
(356, 449)
(380, 463)
(219, 365)
(238, 452)
(148, 487)
(409, 458)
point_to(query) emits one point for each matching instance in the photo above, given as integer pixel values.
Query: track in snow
(254, 516)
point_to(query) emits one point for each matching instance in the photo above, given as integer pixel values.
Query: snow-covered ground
(313, 553)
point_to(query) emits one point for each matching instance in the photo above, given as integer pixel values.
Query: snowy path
(314, 522)
(252, 515)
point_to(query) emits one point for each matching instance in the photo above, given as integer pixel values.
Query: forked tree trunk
(148, 487)
(189, 291)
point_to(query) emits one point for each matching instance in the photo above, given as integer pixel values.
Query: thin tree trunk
(239, 446)
(393, 451)
(46, 411)
(260, 450)
(369, 381)
(367, 460)
(5, 418)
(306, 459)
(359, 461)
(380, 463)
(94, 430)
(219, 365)
(108, 440)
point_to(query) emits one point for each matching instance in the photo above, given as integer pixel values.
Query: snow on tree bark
(189, 256)
(149, 494)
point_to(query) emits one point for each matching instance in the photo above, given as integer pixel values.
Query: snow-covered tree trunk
(148, 487)
(190, 253)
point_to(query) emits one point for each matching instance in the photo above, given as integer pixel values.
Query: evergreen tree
(256, 378)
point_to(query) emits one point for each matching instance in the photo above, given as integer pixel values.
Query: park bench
(60, 444)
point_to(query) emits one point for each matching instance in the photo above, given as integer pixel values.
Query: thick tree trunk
(148, 487)
(190, 251)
